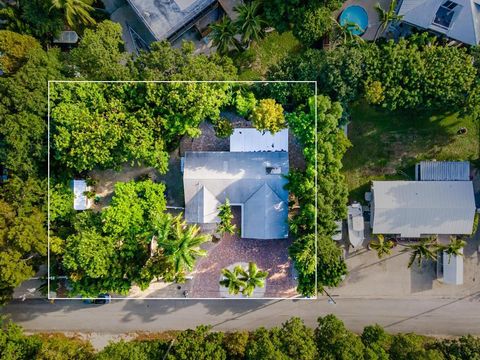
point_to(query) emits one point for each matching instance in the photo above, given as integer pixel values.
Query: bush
(244, 102)
(223, 128)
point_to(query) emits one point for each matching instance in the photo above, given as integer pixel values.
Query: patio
(269, 255)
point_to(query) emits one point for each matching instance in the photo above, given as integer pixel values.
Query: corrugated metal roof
(444, 170)
(249, 139)
(237, 176)
(415, 208)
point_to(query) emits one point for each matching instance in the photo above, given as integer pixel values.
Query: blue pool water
(357, 15)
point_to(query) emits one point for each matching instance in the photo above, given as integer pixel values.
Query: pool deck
(369, 6)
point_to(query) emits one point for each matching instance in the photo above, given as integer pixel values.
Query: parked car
(99, 300)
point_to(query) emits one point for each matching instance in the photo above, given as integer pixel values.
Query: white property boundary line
(180, 81)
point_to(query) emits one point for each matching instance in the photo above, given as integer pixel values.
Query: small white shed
(453, 269)
(250, 139)
(80, 200)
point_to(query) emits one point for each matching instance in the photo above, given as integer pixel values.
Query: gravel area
(269, 255)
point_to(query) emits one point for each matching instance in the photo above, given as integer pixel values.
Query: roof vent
(273, 170)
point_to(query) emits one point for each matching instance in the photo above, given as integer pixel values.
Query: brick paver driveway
(269, 255)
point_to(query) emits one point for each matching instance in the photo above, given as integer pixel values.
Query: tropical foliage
(243, 280)
(381, 246)
(291, 340)
(226, 225)
(268, 116)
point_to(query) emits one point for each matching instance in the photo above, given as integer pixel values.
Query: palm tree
(75, 10)
(345, 33)
(249, 22)
(386, 17)
(225, 214)
(253, 278)
(454, 248)
(223, 35)
(383, 248)
(180, 243)
(232, 281)
(423, 250)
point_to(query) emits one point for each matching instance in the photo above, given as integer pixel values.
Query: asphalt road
(433, 317)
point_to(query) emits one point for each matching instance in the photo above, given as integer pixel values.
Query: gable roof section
(464, 24)
(203, 207)
(265, 215)
(237, 176)
(415, 208)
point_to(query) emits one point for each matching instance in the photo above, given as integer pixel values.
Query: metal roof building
(452, 269)
(253, 180)
(80, 200)
(417, 208)
(250, 139)
(443, 171)
(456, 19)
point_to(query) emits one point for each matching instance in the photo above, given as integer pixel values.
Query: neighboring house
(253, 180)
(456, 19)
(442, 171)
(80, 200)
(173, 19)
(412, 209)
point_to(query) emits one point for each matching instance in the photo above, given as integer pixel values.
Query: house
(413, 209)
(252, 180)
(173, 19)
(80, 199)
(442, 171)
(456, 19)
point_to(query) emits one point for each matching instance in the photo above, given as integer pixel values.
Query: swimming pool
(357, 15)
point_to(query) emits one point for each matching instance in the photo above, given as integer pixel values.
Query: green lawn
(387, 145)
(254, 62)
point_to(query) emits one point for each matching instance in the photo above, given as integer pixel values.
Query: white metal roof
(250, 139)
(453, 269)
(415, 208)
(465, 23)
(210, 178)
(80, 201)
(444, 170)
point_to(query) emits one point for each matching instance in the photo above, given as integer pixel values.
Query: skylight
(444, 15)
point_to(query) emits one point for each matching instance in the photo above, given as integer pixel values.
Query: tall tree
(75, 11)
(180, 244)
(226, 226)
(381, 246)
(454, 248)
(268, 116)
(249, 22)
(253, 278)
(231, 280)
(100, 54)
(424, 249)
(386, 16)
(224, 36)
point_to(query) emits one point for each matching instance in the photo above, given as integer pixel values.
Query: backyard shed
(254, 181)
(412, 209)
(80, 200)
(452, 269)
(249, 139)
(443, 171)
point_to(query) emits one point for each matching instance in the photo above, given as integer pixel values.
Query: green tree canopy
(268, 116)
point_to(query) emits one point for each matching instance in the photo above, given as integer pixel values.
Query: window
(444, 15)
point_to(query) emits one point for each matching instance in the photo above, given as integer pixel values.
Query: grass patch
(254, 62)
(387, 145)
